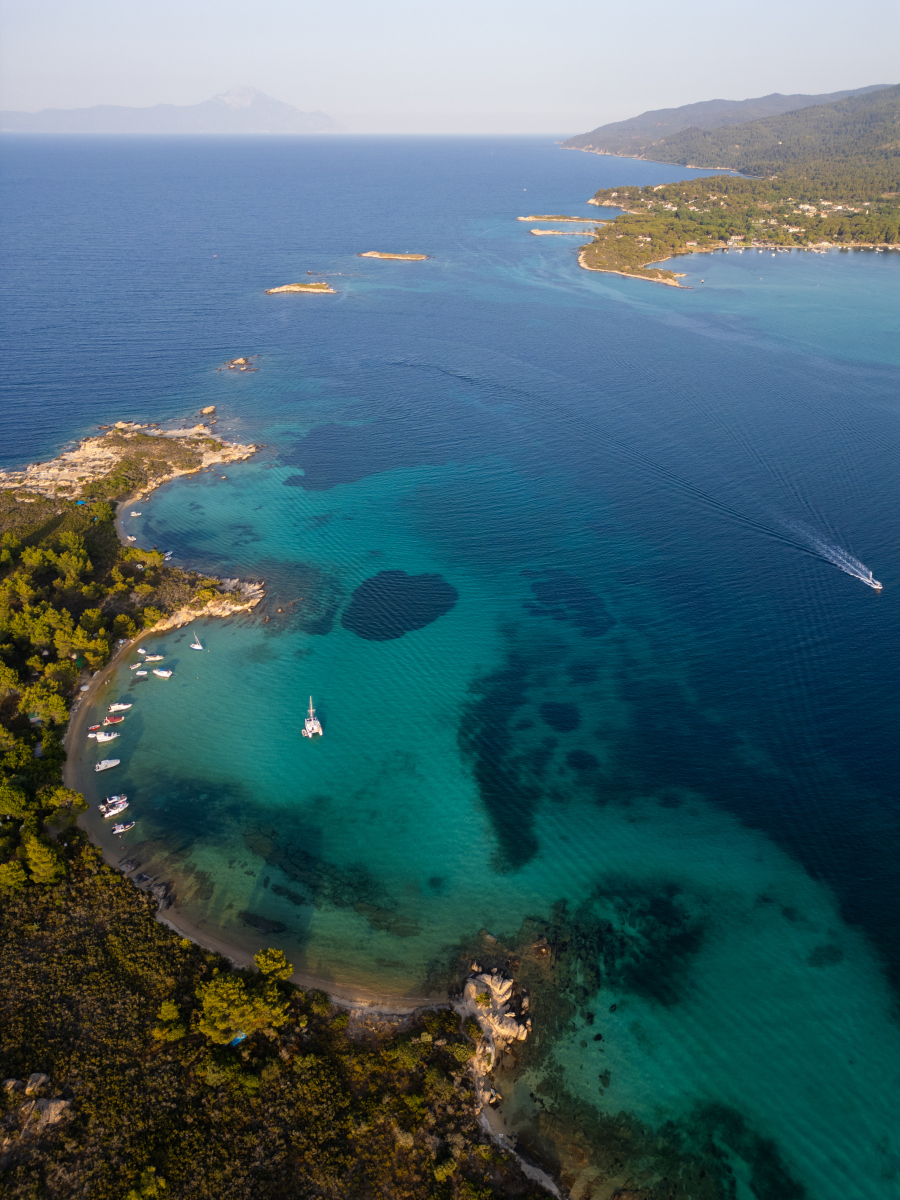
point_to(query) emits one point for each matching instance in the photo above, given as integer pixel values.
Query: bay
(654, 726)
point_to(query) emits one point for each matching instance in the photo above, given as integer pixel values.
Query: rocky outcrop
(402, 257)
(492, 1000)
(247, 593)
(32, 1118)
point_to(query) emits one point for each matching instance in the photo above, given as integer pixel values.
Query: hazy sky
(442, 66)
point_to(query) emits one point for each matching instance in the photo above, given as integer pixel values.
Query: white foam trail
(835, 554)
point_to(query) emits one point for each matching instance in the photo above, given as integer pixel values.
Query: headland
(318, 289)
(402, 257)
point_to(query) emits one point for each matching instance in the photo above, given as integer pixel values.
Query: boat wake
(835, 554)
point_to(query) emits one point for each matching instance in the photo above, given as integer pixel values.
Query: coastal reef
(238, 364)
(403, 257)
(320, 288)
(392, 603)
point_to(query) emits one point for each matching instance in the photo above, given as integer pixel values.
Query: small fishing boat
(134, 666)
(141, 650)
(140, 672)
(129, 538)
(196, 644)
(115, 799)
(162, 674)
(92, 735)
(112, 721)
(154, 658)
(311, 725)
(107, 764)
(93, 728)
(135, 514)
(123, 828)
(118, 707)
(106, 737)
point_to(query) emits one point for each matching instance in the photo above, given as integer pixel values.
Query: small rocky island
(381, 254)
(320, 288)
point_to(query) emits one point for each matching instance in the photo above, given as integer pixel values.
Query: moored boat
(162, 674)
(134, 666)
(196, 644)
(140, 672)
(154, 658)
(113, 807)
(135, 514)
(107, 764)
(118, 707)
(93, 728)
(111, 721)
(123, 828)
(106, 737)
(311, 726)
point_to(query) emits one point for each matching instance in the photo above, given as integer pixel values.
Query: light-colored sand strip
(562, 232)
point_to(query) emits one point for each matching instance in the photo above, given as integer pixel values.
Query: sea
(577, 572)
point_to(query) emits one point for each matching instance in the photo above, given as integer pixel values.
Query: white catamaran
(311, 725)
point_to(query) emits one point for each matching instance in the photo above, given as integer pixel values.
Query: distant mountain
(637, 137)
(861, 133)
(241, 110)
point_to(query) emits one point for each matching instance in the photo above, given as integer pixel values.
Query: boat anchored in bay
(312, 725)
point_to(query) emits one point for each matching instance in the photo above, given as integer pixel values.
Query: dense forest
(832, 176)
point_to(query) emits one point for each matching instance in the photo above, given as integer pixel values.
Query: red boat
(93, 728)
(112, 720)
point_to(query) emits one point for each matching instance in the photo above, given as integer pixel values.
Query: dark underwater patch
(261, 924)
(508, 789)
(392, 603)
(336, 454)
(561, 716)
(582, 760)
(825, 956)
(563, 597)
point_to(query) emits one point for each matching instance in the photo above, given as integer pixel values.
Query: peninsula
(823, 176)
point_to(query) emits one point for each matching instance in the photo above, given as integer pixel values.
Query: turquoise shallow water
(656, 722)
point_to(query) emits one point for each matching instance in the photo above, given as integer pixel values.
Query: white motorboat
(141, 650)
(311, 726)
(140, 672)
(105, 737)
(154, 658)
(92, 735)
(107, 764)
(134, 514)
(134, 666)
(123, 828)
(113, 807)
(162, 674)
(118, 707)
(129, 538)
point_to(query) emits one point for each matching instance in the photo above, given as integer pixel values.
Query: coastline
(630, 274)
(352, 997)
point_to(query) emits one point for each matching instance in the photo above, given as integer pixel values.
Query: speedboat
(154, 658)
(311, 725)
(130, 538)
(112, 721)
(139, 663)
(115, 799)
(134, 514)
(106, 737)
(118, 707)
(93, 728)
(92, 735)
(141, 650)
(107, 764)
(140, 673)
(162, 674)
(123, 828)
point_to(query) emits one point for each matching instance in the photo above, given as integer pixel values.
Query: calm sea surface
(612, 680)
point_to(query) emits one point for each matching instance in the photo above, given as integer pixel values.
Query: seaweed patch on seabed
(562, 966)
(322, 882)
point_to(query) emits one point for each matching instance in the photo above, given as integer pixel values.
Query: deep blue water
(622, 689)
